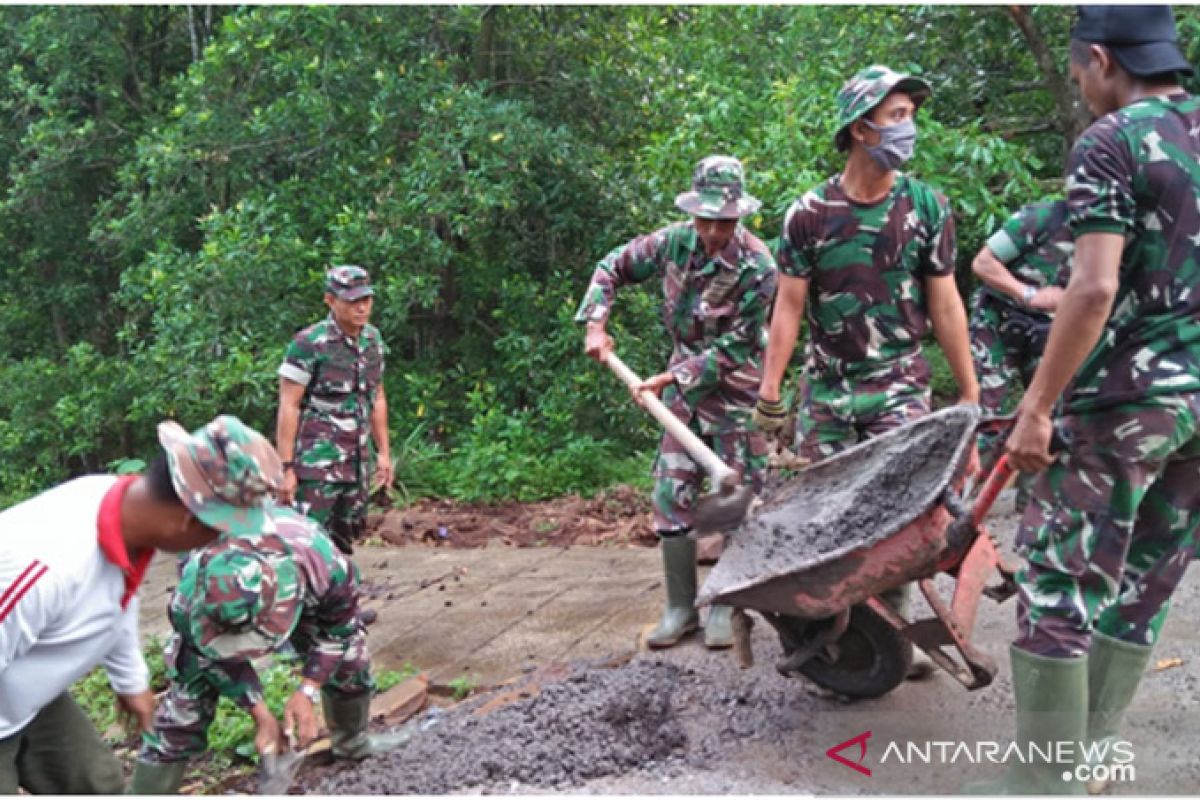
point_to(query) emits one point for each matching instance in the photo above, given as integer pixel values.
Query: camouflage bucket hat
(717, 191)
(245, 597)
(225, 473)
(349, 283)
(866, 90)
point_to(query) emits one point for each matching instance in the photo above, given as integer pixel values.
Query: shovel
(276, 771)
(724, 507)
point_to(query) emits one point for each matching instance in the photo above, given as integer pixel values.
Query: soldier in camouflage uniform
(1113, 521)
(240, 599)
(718, 280)
(869, 256)
(1023, 267)
(331, 404)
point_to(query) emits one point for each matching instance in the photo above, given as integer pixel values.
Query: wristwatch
(310, 691)
(1029, 293)
(288, 465)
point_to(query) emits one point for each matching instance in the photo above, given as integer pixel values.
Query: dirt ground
(690, 721)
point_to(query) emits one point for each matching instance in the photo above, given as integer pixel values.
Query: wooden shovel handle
(718, 471)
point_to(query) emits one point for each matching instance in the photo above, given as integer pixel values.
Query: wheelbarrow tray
(851, 527)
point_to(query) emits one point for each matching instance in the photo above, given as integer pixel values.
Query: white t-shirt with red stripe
(60, 603)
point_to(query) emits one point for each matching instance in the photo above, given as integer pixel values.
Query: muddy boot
(1114, 669)
(718, 628)
(346, 716)
(150, 777)
(679, 572)
(921, 667)
(1052, 696)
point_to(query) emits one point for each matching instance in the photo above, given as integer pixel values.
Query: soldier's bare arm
(790, 297)
(379, 432)
(949, 320)
(992, 272)
(1077, 327)
(287, 423)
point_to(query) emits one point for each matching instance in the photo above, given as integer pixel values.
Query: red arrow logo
(835, 753)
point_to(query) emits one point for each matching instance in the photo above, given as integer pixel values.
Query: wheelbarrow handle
(720, 473)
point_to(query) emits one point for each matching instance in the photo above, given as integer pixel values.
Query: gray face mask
(895, 144)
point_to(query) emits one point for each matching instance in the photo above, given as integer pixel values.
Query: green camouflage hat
(717, 191)
(866, 90)
(348, 282)
(225, 473)
(244, 597)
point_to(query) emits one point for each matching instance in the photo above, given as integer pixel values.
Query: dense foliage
(176, 179)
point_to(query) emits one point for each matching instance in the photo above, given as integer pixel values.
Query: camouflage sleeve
(632, 262)
(795, 251)
(236, 680)
(337, 633)
(943, 247)
(700, 375)
(1099, 182)
(299, 361)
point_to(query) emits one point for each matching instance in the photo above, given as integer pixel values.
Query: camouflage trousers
(678, 478)
(836, 415)
(1111, 527)
(1000, 366)
(183, 717)
(340, 508)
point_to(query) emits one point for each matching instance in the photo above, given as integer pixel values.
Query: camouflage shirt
(1134, 172)
(340, 376)
(866, 266)
(1036, 244)
(714, 308)
(327, 591)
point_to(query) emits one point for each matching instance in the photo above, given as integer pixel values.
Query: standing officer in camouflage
(1023, 267)
(718, 281)
(869, 255)
(275, 579)
(1113, 521)
(331, 403)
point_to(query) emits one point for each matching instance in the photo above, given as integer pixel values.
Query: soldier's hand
(287, 492)
(654, 385)
(140, 707)
(300, 717)
(268, 738)
(770, 415)
(1047, 299)
(1028, 445)
(384, 473)
(597, 343)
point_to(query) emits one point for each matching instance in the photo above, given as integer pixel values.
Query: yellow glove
(769, 417)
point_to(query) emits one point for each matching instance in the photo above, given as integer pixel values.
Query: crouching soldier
(281, 579)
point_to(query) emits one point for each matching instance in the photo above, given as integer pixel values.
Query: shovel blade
(276, 773)
(721, 511)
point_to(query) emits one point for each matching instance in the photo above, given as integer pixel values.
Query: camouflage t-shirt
(340, 376)
(1036, 246)
(1136, 172)
(714, 309)
(866, 266)
(326, 586)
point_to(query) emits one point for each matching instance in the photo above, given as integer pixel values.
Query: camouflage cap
(348, 282)
(226, 473)
(717, 191)
(244, 597)
(866, 90)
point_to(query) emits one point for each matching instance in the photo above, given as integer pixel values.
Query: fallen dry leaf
(1167, 663)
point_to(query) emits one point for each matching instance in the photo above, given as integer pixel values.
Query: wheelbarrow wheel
(869, 659)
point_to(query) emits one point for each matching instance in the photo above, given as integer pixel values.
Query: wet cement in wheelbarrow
(846, 502)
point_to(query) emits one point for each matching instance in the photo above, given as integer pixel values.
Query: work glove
(770, 417)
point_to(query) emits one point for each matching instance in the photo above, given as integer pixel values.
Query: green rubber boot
(150, 777)
(1052, 696)
(347, 716)
(679, 571)
(1115, 668)
(718, 628)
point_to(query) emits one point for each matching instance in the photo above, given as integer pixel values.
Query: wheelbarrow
(815, 557)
